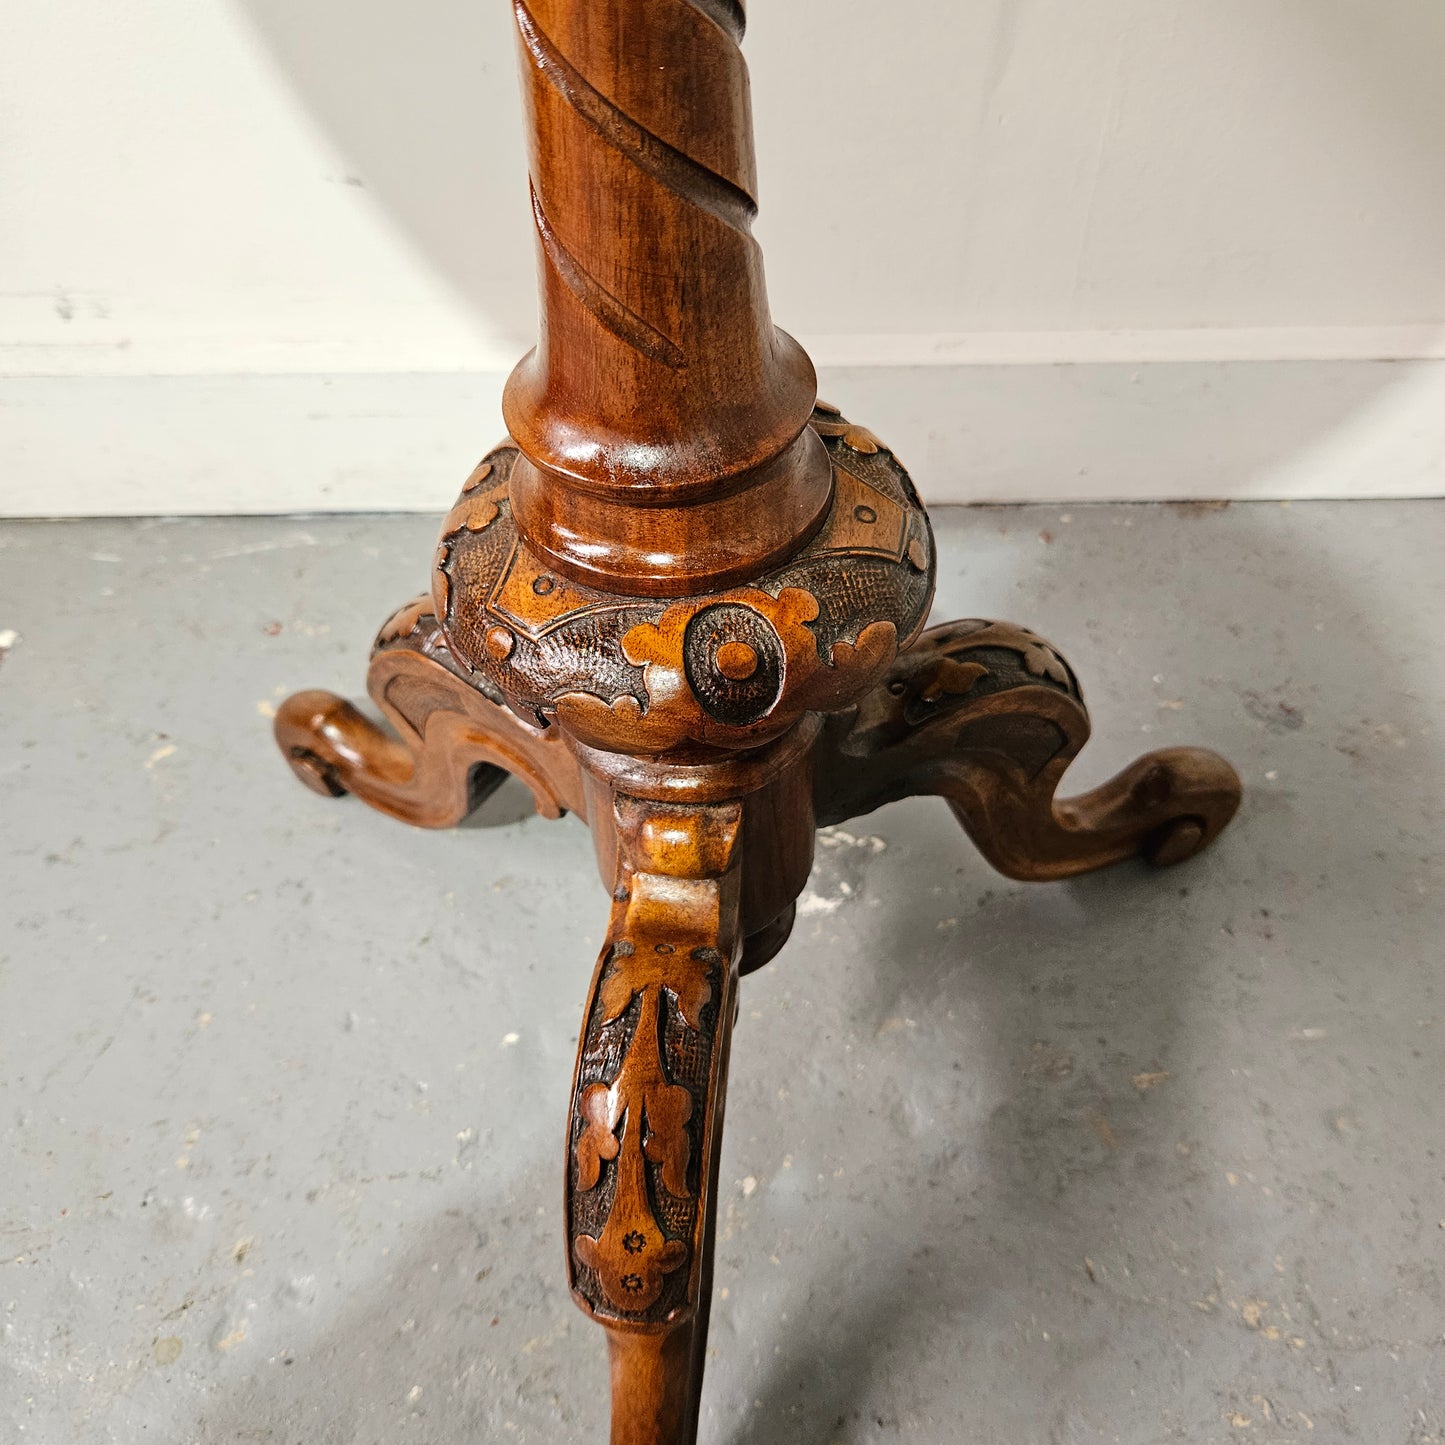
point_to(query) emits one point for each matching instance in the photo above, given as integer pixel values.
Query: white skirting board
(970, 432)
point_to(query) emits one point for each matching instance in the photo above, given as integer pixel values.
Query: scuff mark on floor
(842, 858)
(253, 549)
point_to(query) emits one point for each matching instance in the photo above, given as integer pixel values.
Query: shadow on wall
(425, 103)
(427, 106)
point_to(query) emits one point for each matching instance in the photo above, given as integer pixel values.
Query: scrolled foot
(327, 740)
(452, 745)
(989, 716)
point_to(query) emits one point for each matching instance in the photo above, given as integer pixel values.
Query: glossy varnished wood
(661, 417)
(685, 601)
(989, 716)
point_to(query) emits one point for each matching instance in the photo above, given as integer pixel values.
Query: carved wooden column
(685, 602)
(662, 418)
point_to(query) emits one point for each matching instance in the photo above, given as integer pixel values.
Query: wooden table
(686, 601)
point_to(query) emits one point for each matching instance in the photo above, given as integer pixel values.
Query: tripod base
(705, 849)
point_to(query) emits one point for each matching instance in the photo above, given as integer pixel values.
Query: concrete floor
(1143, 1158)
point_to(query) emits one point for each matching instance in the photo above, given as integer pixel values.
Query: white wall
(285, 199)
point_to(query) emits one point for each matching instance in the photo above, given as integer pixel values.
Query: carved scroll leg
(647, 1109)
(989, 716)
(452, 745)
(1165, 807)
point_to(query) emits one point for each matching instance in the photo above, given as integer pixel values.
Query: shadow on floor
(1131, 1189)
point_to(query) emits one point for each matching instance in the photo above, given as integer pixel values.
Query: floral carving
(647, 675)
(642, 1117)
(403, 622)
(950, 679)
(812, 682)
(476, 510)
(1040, 660)
(828, 421)
(480, 473)
(857, 437)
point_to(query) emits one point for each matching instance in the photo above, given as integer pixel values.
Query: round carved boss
(734, 663)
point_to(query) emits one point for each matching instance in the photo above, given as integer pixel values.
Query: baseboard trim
(970, 432)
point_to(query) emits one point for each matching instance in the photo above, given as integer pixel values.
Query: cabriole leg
(647, 1109)
(989, 716)
(452, 744)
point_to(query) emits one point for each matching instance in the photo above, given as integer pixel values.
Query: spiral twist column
(662, 417)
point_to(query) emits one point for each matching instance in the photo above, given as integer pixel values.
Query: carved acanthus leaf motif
(858, 437)
(632, 1257)
(729, 669)
(441, 589)
(480, 473)
(951, 679)
(814, 682)
(476, 510)
(598, 1142)
(1040, 660)
(404, 620)
(687, 982)
(642, 1088)
(651, 1257)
